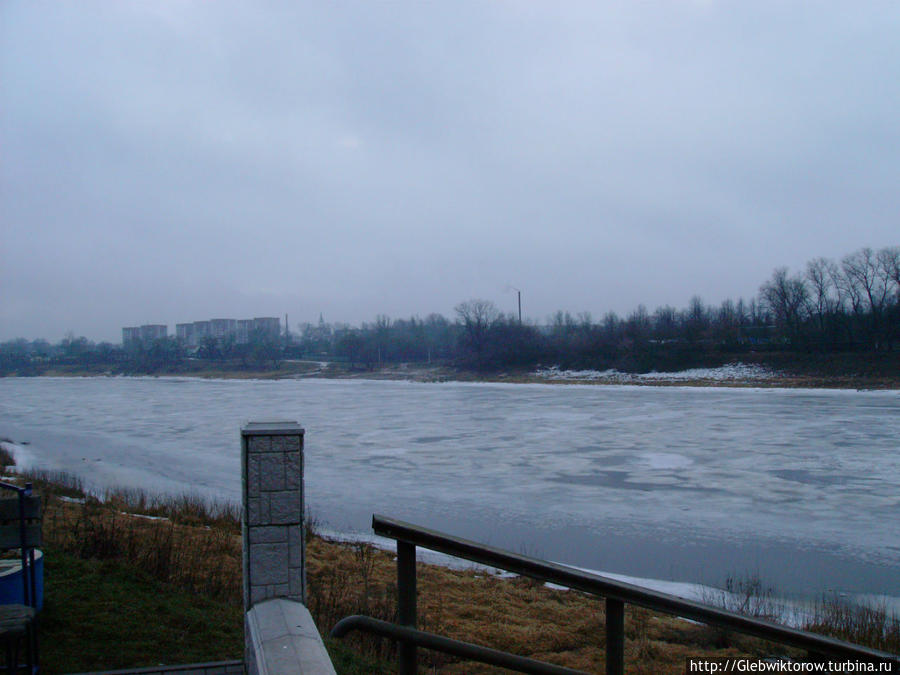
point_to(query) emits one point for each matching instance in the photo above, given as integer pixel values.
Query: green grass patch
(346, 661)
(104, 615)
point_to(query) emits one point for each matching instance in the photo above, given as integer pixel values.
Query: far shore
(710, 377)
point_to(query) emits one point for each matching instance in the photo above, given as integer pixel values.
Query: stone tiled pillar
(272, 523)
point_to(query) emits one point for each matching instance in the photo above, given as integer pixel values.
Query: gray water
(801, 487)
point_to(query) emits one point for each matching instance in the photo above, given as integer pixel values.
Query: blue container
(11, 590)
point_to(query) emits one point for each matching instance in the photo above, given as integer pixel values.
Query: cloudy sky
(171, 160)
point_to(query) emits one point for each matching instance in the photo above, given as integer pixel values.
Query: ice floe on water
(732, 372)
(684, 483)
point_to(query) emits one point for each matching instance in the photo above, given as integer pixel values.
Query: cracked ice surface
(801, 486)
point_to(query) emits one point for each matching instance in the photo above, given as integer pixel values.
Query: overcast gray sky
(173, 160)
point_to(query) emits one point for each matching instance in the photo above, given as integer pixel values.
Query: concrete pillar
(272, 522)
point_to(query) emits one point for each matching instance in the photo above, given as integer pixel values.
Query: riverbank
(126, 557)
(752, 373)
(113, 561)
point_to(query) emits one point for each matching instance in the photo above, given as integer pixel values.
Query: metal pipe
(465, 650)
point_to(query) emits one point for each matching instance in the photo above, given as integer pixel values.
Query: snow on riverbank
(768, 604)
(733, 372)
(23, 457)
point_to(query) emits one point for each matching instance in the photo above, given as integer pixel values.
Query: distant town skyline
(168, 161)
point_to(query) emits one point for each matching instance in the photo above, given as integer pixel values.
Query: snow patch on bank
(732, 372)
(23, 457)
(793, 612)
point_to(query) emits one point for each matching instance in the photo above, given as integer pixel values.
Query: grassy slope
(124, 591)
(112, 602)
(105, 615)
(100, 615)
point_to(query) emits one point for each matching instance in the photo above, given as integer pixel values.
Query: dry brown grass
(200, 559)
(870, 625)
(516, 615)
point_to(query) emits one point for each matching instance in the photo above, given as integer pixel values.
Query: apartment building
(131, 335)
(270, 326)
(185, 333)
(244, 331)
(219, 328)
(192, 334)
(146, 333)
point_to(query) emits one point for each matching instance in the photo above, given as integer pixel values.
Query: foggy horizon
(169, 163)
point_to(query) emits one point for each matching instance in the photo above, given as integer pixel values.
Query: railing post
(615, 637)
(406, 603)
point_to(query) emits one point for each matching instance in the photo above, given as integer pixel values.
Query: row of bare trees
(851, 304)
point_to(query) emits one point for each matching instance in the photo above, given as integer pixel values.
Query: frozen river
(694, 484)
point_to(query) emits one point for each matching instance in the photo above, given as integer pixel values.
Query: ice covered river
(694, 484)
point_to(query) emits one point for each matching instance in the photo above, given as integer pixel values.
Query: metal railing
(616, 594)
(28, 507)
(29, 590)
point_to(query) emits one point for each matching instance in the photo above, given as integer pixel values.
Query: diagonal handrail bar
(621, 592)
(465, 650)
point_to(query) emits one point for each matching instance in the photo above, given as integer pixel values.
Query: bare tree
(727, 320)
(788, 300)
(382, 334)
(696, 319)
(585, 321)
(889, 265)
(889, 268)
(476, 316)
(665, 322)
(869, 283)
(637, 326)
(821, 274)
(825, 297)
(741, 313)
(612, 326)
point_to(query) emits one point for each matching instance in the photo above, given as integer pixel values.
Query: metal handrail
(616, 593)
(440, 643)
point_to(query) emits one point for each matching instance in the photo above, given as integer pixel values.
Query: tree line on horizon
(847, 306)
(850, 306)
